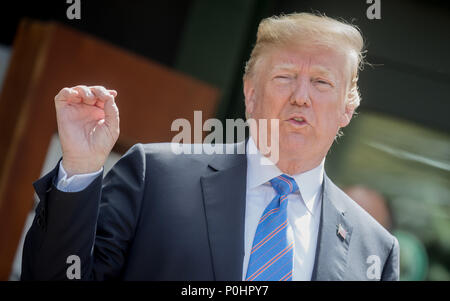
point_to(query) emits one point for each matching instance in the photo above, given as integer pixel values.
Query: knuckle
(96, 88)
(80, 88)
(99, 91)
(64, 92)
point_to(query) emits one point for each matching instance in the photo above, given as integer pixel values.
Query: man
(162, 216)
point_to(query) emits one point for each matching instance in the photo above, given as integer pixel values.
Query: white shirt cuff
(76, 182)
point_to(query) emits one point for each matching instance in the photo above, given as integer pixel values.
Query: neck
(293, 166)
(291, 163)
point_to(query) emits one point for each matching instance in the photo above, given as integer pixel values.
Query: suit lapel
(224, 194)
(332, 248)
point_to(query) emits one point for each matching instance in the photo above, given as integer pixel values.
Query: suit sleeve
(391, 269)
(95, 224)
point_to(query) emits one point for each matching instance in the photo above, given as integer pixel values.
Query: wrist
(72, 167)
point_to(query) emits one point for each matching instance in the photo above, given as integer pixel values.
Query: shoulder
(371, 247)
(176, 157)
(167, 151)
(366, 230)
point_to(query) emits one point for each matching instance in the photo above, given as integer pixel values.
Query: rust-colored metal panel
(47, 57)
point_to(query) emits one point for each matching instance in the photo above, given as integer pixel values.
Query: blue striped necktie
(271, 257)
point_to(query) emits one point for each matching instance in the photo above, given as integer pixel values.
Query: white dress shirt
(76, 182)
(303, 206)
(303, 209)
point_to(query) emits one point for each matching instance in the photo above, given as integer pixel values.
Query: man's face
(305, 89)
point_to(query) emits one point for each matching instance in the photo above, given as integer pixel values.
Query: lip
(297, 123)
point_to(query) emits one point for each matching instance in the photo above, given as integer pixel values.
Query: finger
(113, 92)
(74, 96)
(62, 94)
(100, 92)
(87, 96)
(100, 104)
(69, 95)
(112, 114)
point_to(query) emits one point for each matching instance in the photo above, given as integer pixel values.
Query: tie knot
(284, 184)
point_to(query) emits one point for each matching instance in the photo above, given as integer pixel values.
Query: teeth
(298, 119)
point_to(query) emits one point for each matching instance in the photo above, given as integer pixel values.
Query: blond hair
(307, 28)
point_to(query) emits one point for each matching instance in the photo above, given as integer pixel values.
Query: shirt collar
(261, 170)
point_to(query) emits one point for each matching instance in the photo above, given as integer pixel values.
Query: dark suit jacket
(162, 216)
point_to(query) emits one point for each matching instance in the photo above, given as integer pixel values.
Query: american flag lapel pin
(341, 232)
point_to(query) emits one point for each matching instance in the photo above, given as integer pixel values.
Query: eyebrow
(315, 69)
(323, 71)
(285, 66)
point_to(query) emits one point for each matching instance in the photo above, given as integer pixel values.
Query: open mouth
(297, 121)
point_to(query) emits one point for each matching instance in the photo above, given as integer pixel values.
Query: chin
(294, 144)
(293, 138)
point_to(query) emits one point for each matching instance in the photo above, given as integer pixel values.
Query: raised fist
(88, 126)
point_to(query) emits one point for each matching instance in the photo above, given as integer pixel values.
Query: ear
(249, 93)
(347, 115)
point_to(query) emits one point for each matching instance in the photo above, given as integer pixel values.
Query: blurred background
(394, 157)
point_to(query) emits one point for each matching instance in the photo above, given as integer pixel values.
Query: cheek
(272, 101)
(282, 93)
(327, 111)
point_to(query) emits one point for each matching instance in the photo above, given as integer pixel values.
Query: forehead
(315, 58)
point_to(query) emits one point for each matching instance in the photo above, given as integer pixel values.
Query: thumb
(111, 114)
(113, 92)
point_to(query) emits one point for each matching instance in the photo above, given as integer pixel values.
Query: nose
(300, 95)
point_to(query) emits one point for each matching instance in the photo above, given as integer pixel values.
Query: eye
(284, 78)
(323, 83)
(320, 81)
